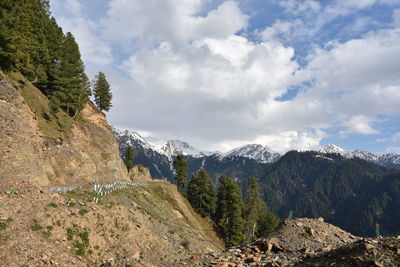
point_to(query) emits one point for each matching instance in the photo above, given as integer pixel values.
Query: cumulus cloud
(94, 49)
(202, 79)
(172, 21)
(358, 124)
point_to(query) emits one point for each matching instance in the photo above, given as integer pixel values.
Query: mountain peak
(257, 152)
(331, 148)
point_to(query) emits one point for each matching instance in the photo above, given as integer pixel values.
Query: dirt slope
(36, 145)
(150, 225)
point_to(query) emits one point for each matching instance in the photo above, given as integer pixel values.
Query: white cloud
(393, 149)
(300, 7)
(93, 49)
(396, 137)
(358, 125)
(171, 21)
(396, 17)
(197, 78)
(73, 6)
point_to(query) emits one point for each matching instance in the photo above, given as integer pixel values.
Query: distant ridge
(257, 152)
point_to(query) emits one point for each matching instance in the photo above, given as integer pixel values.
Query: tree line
(239, 219)
(32, 43)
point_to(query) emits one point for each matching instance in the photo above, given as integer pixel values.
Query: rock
(136, 255)
(327, 248)
(299, 224)
(369, 246)
(312, 232)
(320, 219)
(398, 251)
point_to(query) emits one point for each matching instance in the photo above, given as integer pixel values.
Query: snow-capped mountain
(171, 148)
(158, 156)
(331, 148)
(388, 159)
(255, 151)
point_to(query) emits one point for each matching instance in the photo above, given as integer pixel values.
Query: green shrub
(35, 225)
(53, 204)
(70, 234)
(83, 212)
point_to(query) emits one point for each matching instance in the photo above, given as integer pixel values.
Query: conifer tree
(267, 222)
(129, 156)
(181, 171)
(201, 193)
(253, 208)
(101, 92)
(75, 84)
(229, 211)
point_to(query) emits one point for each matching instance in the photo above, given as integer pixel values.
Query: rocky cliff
(36, 145)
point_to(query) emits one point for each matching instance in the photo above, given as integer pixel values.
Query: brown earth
(149, 225)
(36, 146)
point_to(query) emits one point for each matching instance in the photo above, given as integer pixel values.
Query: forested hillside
(351, 193)
(33, 44)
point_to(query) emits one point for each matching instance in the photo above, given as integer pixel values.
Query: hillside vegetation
(351, 193)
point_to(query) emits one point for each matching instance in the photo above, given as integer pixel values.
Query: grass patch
(84, 196)
(50, 124)
(53, 205)
(5, 223)
(70, 234)
(83, 244)
(35, 225)
(83, 212)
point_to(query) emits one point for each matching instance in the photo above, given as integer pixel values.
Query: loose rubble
(306, 242)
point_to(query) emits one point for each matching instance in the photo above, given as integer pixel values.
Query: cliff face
(29, 151)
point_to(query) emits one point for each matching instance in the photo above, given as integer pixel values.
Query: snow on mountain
(169, 148)
(255, 151)
(382, 159)
(172, 148)
(130, 138)
(331, 148)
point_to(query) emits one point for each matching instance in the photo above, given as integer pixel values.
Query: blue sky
(288, 74)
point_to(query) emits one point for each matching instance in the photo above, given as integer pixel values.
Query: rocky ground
(151, 225)
(307, 242)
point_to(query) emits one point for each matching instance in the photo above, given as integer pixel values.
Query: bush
(35, 225)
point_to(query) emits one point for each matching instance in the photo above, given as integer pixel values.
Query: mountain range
(158, 156)
(350, 188)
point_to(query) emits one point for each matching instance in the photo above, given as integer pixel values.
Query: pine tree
(258, 221)
(267, 222)
(201, 193)
(75, 84)
(181, 171)
(228, 215)
(129, 156)
(101, 92)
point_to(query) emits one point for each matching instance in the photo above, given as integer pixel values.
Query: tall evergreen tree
(229, 211)
(181, 171)
(267, 222)
(256, 215)
(201, 193)
(129, 156)
(253, 208)
(101, 92)
(75, 84)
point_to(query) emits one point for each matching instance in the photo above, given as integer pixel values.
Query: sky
(287, 74)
